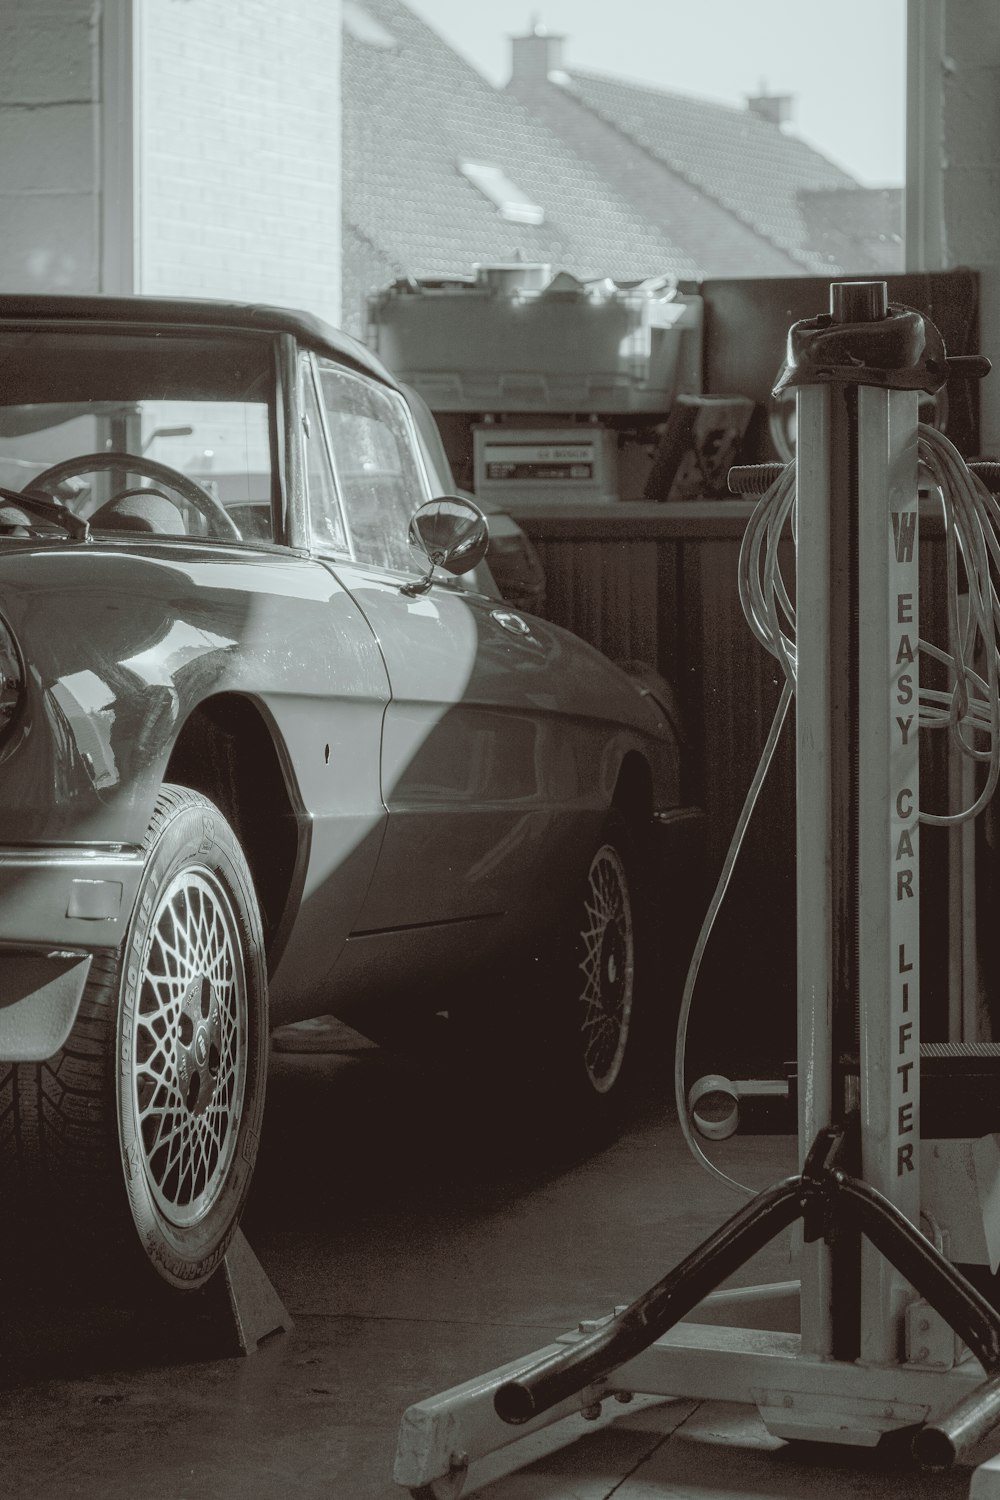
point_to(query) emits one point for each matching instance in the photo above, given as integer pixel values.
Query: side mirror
(450, 533)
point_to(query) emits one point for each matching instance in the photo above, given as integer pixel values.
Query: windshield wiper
(37, 504)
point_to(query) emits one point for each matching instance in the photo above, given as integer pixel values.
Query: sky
(844, 62)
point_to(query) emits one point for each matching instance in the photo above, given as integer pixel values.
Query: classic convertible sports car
(264, 755)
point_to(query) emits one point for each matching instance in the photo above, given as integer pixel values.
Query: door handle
(509, 621)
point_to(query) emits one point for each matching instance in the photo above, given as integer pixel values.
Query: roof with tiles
(413, 112)
(745, 165)
(719, 241)
(607, 177)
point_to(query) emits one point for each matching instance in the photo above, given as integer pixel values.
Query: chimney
(776, 109)
(535, 56)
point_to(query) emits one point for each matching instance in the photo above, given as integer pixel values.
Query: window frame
(102, 326)
(308, 374)
(414, 570)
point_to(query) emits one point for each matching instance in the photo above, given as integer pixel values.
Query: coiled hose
(969, 710)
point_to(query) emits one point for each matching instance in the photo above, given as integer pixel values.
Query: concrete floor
(416, 1244)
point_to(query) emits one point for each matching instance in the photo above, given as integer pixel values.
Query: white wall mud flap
(40, 1003)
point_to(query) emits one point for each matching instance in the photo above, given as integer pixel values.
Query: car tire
(143, 1128)
(590, 985)
(569, 1026)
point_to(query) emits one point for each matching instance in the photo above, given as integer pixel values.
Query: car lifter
(851, 1373)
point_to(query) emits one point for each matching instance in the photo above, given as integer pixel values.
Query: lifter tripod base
(647, 1349)
(442, 1440)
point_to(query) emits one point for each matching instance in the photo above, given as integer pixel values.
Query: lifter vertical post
(888, 801)
(857, 800)
(814, 754)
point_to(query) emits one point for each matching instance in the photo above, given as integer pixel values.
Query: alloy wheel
(608, 969)
(189, 1057)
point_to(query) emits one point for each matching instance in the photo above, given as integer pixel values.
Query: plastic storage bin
(516, 338)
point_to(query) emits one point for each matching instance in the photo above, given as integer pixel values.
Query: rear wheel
(566, 1025)
(144, 1126)
(588, 990)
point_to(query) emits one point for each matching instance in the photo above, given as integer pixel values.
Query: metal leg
(646, 1348)
(974, 1418)
(561, 1374)
(829, 1200)
(906, 1249)
(986, 1481)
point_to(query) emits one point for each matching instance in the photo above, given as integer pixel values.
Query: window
(326, 523)
(495, 185)
(194, 407)
(364, 27)
(379, 476)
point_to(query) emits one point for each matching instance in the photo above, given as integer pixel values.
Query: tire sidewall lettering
(136, 942)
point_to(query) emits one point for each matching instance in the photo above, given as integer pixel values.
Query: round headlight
(11, 676)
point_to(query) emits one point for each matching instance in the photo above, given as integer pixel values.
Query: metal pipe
(939, 1443)
(561, 1375)
(964, 1309)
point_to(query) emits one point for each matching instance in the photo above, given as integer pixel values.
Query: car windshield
(170, 432)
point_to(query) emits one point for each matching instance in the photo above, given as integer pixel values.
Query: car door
(475, 754)
(327, 692)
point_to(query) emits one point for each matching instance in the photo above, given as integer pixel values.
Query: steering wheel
(133, 463)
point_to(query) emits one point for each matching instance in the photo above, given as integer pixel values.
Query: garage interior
(415, 1232)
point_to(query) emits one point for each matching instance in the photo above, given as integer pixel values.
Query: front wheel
(148, 1118)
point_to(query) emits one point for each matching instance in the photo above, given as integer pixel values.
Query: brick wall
(240, 151)
(49, 171)
(237, 148)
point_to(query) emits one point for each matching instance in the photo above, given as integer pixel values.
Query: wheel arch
(669, 844)
(229, 750)
(633, 794)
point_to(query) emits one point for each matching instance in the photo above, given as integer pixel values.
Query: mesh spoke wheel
(188, 1061)
(561, 1031)
(142, 1130)
(607, 968)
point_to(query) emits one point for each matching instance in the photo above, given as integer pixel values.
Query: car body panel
(502, 735)
(71, 897)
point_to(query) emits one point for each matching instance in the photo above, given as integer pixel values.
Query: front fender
(121, 644)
